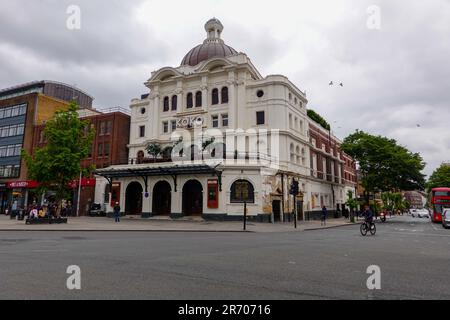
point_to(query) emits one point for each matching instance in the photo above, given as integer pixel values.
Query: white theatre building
(226, 134)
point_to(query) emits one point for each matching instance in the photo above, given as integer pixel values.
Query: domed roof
(212, 47)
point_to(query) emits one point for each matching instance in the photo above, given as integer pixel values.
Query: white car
(446, 218)
(421, 213)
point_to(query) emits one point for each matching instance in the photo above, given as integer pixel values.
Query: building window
(260, 118)
(166, 104)
(292, 152)
(242, 189)
(20, 129)
(10, 151)
(260, 94)
(189, 101)
(215, 97)
(101, 131)
(174, 103)
(141, 131)
(108, 127)
(9, 171)
(173, 125)
(100, 150)
(106, 149)
(198, 99)
(143, 111)
(215, 121)
(12, 130)
(165, 127)
(225, 95)
(225, 120)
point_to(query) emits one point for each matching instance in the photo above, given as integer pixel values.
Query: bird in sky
(341, 84)
(418, 125)
(331, 83)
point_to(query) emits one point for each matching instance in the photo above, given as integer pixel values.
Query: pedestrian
(117, 212)
(324, 216)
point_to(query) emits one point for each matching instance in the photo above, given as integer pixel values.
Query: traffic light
(294, 187)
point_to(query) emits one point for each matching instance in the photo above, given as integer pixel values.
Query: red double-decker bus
(439, 200)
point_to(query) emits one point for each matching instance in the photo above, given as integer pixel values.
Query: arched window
(242, 190)
(174, 102)
(224, 95)
(215, 96)
(189, 101)
(198, 99)
(166, 104)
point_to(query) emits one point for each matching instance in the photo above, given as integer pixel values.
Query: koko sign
(190, 122)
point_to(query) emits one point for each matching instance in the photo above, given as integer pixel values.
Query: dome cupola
(212, 47)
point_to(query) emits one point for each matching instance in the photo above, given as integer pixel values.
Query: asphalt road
(413, 254)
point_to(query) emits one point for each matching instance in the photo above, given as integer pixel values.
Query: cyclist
(368, 214)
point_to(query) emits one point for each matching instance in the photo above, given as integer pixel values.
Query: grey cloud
(394, 78)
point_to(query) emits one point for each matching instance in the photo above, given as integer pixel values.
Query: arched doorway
(192, 198)
(162, 198)
(133, 198)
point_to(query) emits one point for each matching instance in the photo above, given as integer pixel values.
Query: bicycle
(368, 227)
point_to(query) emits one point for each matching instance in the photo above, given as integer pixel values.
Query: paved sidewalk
(165, 224)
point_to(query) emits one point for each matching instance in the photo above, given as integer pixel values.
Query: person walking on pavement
(117, 212)
(324, 216)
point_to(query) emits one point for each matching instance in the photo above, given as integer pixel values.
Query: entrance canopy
(150, 171)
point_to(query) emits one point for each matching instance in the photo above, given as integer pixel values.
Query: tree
(154, 149)
(385, 165)
(69, 140)
(319, 119)
(440, 178)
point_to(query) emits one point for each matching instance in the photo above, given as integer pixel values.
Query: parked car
(421, 213)
(446, 218)
(97, 210)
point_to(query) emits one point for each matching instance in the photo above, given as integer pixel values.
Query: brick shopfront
(19, 192)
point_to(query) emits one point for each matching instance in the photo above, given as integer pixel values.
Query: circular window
(143, 111)
(260, 93)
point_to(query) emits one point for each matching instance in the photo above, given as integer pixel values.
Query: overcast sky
(396, 78)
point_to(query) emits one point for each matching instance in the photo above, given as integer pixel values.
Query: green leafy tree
(440, 178)
(319, 119)
(385, 165)
(69, 140)
(154, 149)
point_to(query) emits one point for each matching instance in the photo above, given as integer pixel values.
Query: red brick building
(333, 172)
(109, 146)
